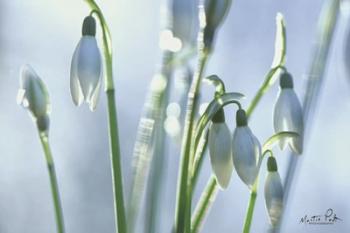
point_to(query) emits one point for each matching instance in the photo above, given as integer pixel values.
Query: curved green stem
(217, 83)
(263, 89)
(267, 152)
(117, 179)
(53, 182)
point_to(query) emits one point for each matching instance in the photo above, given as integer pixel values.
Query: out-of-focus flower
(33, 96)
(220, 149)
(212, 13)
(184, 14)
(288, 114)
(86, 67)
(246, 150)
(168, 41)
(273, 192)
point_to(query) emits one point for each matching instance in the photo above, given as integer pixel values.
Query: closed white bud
(86, 67)
(33, 96)
(246, 151)
(220, 153)
(288, 114)
(211, 14)
(215, 11)
(273, 194)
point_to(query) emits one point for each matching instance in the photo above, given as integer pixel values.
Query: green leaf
(277, 137)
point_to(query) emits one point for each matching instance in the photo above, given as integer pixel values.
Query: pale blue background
(44, 33)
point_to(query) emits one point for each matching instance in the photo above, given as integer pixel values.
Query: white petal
(288, 116)
(274, 196)
(220, 153)
(246, 154)
(75, 89)
(95, 97)
(89, 65)
(21, 98)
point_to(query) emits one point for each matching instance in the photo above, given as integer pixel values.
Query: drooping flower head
(246, 150)
(220, 149)
(288, 115)
(86, 67)
(33, 95)
(273, 192)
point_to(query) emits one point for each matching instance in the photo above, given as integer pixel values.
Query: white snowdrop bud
(33, 96)
(211, 15)
(246, 150)
(220, 149)
(273, 192)
(86, 67)
(288, 115)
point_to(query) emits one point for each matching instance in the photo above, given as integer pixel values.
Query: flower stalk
(250, 209)
(44, 139)
(117, 179)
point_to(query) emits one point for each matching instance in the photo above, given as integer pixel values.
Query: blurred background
(44, 33)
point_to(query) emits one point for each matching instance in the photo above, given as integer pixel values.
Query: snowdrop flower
(184, 13)
(220, 149)
(33, 96)
(86, 67)
(288, 115)
(273, 192)
(246, 150)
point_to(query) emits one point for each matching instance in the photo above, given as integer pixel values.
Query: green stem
(53, 181)
(115, 163)
(203, 205)
(251, 206)
(183, 204)
(199, 158)
(262, 90)
(117, 178)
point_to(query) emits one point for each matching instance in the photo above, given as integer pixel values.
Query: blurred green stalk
(158, 157)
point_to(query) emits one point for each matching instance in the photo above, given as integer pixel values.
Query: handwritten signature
(329, 218)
